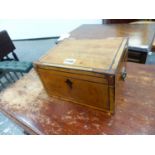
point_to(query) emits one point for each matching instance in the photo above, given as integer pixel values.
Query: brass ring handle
(124, 74)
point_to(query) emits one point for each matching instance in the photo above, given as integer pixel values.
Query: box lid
(97, 55)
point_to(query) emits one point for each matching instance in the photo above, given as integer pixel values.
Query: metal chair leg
(2, 84)
(16, 75)
(11, 76)
(8, 80)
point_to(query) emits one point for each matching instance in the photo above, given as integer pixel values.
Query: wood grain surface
(27, 103)
(140, 35)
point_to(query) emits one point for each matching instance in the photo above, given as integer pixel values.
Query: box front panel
(89, 93)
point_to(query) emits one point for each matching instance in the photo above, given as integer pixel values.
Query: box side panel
(121, 73)
(120, 55)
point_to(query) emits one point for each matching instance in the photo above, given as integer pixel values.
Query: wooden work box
(85, 71)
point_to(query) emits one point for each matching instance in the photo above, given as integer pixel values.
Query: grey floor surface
(32, 50)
